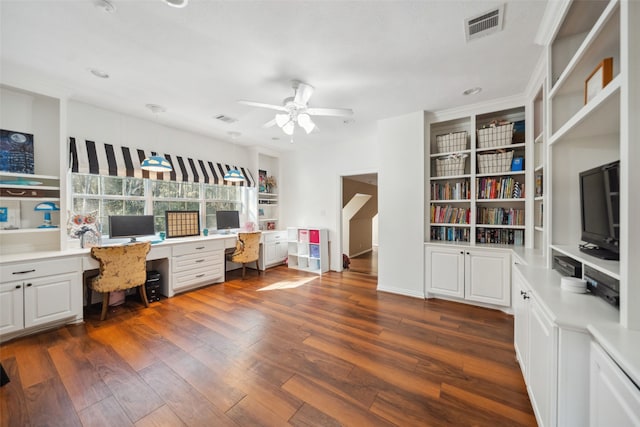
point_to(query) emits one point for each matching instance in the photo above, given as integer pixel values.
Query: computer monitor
(130, 226)
(227, 220)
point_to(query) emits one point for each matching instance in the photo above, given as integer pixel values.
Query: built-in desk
(44, 289)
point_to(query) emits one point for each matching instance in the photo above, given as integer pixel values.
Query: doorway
(360, 222)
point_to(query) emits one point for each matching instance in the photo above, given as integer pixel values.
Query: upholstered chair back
(247, 247)
(121, 267)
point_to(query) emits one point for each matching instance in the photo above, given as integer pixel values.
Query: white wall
(310, 190)
(91, 122)
(401, 205)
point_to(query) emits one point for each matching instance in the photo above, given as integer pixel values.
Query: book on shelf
(450, 234)
(503, 236)
(499, 188)
(460, 190)
(450, 215)
(500, 216)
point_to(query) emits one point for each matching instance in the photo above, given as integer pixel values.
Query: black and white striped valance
(99, 158)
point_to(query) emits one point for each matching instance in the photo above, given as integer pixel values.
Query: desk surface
(230, 240)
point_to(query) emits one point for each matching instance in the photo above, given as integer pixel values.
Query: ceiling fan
(295, 110)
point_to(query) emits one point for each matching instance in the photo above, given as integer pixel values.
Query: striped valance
(100, 158)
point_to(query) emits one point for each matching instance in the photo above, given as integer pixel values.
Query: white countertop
(622, 344)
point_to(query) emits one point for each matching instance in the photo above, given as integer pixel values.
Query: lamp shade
(282, 119)
(156, 164)
(304, 120)
(234, 175)
(289, 128)
(46, 206)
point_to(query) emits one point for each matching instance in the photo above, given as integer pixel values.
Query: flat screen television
(130, 226)
(227, 220)
(600, 210)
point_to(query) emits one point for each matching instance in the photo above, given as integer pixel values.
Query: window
(136, 196)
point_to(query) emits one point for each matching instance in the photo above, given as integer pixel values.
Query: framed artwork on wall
(16, 151)
(598, 79)
(262, 180)
(182, 223)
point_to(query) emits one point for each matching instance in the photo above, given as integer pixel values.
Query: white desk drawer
(196, 276)
(198, 247)
(29, 270)
(196, 261)
(278, 236)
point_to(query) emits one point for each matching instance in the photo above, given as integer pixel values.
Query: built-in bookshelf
(477, 183)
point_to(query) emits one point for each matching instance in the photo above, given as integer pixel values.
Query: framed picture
(598, 79)
(262, 180)
(16, 151)
(182, 223)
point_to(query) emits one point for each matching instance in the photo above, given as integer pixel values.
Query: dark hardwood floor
(366, 263)
(284, 348)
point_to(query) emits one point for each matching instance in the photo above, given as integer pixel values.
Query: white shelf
(539, 139)
(448, 153)
(267, 219)
(508, 173)
(28, 175)
(449, 224)
(499, 200)
(517, 227)
(502, 147)
(539, 198)
(611, 268)
(539, 168)
(30, 230)
(451, 201)
(433, 178)
(538, 228)
(601, 116)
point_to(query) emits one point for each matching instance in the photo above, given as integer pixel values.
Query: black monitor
(600, 210)
(227, 220)
(130, 226)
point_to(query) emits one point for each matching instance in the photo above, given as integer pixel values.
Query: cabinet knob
(24, 271)
(461, 252)
(29, 285)
(18, 286)
(523, 293)
(526, 296)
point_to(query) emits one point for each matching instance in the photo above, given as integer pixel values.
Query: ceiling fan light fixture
(282, 119)
(177, 3)
(234, 175)
(305, 122)
(156, 164)
(289, 127)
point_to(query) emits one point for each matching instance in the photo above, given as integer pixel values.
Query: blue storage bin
(517, 164)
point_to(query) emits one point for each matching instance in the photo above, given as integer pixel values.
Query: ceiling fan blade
(338, 112)
(270, 123)
(262, 105)
(303, 93)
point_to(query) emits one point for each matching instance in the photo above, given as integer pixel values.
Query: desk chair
(247, 250)
(121, 267)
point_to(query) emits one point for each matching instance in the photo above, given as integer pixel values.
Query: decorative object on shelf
(270, 183)
(16, 151)
(598, 79)
(10, 215)
(517, 193)
(47, 208)
(495, 162)
(205, 232)
(156, 163)
(19, 181)
(271, 225)
(250, 226)
(84, 226)
(262, 178)
(182, 223)
(517, 164)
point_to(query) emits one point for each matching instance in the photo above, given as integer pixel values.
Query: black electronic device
(131, 226)
(600, 210)
(227, 220)
(567, 266)
(152, 286)
(603, 285)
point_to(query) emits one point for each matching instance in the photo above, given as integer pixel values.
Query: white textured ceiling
(380, 58)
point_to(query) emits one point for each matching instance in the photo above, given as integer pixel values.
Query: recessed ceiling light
(176, 3)
(99, 73)
(472, 91)
(275, 138)
(155, 108)
(105, 5)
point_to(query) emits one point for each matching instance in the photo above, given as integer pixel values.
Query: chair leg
(89, 296)
(243, 268)
(143, 294)
(105, 305)
(257, 268)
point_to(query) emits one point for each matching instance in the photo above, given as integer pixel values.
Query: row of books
(450, 215)
(503, 236)
(500, 216)
(460, 190)
(450, 234)
(499, 188)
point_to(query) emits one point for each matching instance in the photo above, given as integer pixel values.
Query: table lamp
(47, 208)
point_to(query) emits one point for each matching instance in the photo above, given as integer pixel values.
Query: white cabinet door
(11, 307)
(271, 254)
(48, 299)
(521, 321)
(444, 271)
(487, 277)
(615, 400)
(542, 375)
(281, 251)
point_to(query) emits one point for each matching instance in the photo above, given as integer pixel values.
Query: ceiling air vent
(225, 119)
(482, 25)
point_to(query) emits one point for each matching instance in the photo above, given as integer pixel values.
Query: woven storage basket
(453, 165)
(495, 162)
(495, 136)
(450, 142)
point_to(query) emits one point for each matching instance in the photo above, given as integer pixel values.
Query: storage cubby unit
(308, 249)
(268, 201)
(480, 198)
